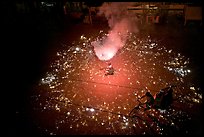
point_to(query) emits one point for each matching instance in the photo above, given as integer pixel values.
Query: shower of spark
(75, 97)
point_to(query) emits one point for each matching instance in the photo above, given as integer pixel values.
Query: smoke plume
(121, 22)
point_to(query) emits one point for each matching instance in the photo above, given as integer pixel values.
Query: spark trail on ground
(75, 97)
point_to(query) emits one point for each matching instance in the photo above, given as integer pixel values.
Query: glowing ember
(80, 99)
(76, 97)
(104, 52)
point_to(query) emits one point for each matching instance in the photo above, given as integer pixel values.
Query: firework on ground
(77, 98)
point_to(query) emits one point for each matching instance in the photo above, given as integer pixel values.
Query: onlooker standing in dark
(150, 100)
(168, 97)
(158, 100)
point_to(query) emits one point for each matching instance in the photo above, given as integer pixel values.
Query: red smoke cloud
(121, 22)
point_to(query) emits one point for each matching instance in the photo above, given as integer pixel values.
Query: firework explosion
(121, 22)
(75, 96)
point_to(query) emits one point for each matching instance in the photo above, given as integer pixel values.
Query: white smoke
(121, 22)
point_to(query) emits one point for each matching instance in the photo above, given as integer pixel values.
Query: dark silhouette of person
(150, 100)
(164, 98)
(167, 98)
(158, 100)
